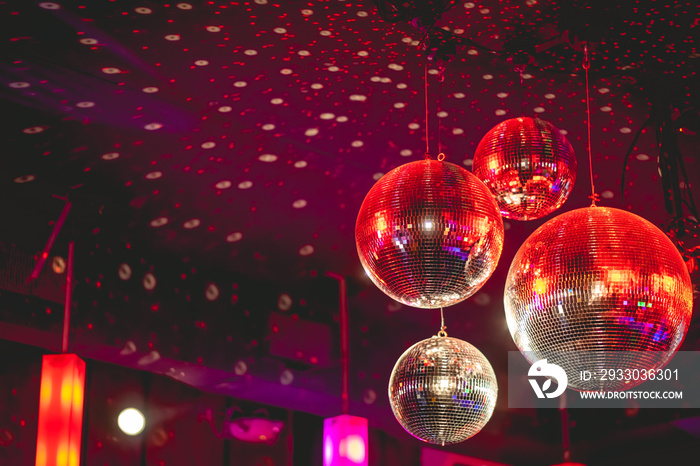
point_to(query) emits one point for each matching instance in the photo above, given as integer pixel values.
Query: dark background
(236, 184)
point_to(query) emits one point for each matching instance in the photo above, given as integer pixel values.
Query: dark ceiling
(232, 143)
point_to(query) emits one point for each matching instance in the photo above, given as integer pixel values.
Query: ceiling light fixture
(131, 421)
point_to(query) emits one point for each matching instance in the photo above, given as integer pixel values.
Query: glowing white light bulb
(131, 421)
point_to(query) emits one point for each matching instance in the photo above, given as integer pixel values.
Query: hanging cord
(441, 75)
(442, 332)
(441, 79)
(521, 71)
(586, 65)
(439, 104)
(427, 114)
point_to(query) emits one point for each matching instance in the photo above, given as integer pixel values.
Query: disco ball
(528, 165)
(429, 234)
(443, 390)
(597, 289)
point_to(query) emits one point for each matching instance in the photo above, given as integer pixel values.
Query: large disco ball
(429, 234)
(598, 289)
(528, 165)
(443, 390)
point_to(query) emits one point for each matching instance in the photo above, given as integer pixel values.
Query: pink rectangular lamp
(345, 441)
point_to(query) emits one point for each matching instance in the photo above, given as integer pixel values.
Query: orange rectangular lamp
(60, 410)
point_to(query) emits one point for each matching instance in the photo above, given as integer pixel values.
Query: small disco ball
(443, 390)
(429, 234)
(528, 165)
(598, 289)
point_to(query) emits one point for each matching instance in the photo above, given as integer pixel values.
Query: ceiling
(232, 143)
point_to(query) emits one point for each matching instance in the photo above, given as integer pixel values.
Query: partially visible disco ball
(528, 165)
(443, 390)
(598, 289)
(429, 234)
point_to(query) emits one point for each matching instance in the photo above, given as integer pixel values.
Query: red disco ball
(599, 289)
(528, 165)
(429, 234)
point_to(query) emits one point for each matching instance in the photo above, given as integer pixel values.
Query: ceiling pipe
(344, 339)
(69, 269)
(69, 298)
(564, 414)
(54, 234)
